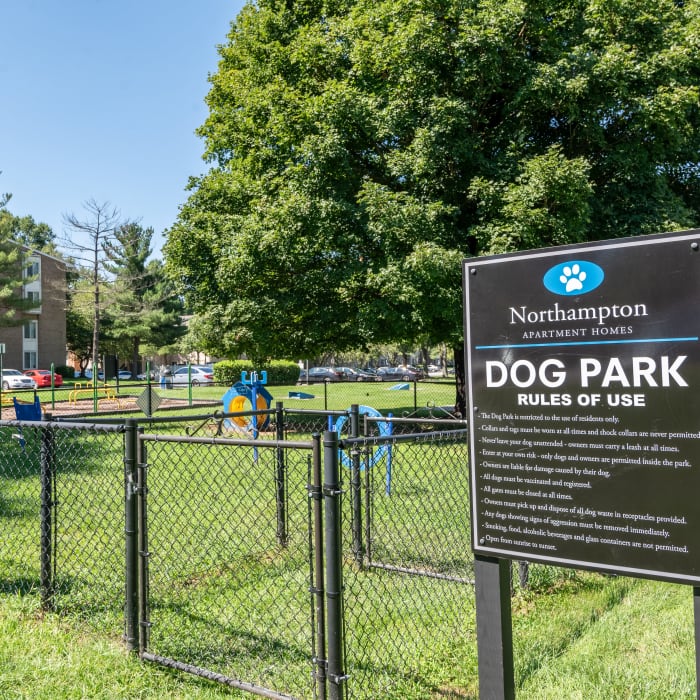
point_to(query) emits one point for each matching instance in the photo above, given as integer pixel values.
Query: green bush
(282, 372)
(229, 371)
(278, 371)
(65, 371)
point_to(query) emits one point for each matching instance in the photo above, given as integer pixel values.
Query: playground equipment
(385, 429)
(248, 391)
(87, 390)
(23, 412)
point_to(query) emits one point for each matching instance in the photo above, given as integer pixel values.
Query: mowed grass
(420, 398)
(636, 643)
(592, 639)
(48, 657)
(226, 595)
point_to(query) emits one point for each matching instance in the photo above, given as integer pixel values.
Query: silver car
(14, 379)
(200, 375)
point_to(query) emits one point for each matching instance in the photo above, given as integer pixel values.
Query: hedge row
(278, 371)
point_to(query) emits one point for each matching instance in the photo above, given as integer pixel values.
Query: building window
(34, 297)
(32, 269)
(30, 330)
(29, 360)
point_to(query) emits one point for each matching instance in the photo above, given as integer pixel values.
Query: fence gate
(231, 586)
(409, 563)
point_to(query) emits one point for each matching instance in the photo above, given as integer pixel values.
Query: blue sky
(100, 100)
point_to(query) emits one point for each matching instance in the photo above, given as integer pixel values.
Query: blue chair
(26, 411)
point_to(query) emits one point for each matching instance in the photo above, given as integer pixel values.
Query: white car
(14, 379)
(201, 374)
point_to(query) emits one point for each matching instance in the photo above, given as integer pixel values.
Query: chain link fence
(232, 546)
(62, 516)
(408, 586)
(427, 398)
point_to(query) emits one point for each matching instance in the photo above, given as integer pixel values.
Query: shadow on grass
(20, 585)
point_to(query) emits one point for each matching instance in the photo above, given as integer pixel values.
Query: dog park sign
(583, 370)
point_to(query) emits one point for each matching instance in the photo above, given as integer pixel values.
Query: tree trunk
(443, 359)
(425, 357)
(135, 358)
(460, 381)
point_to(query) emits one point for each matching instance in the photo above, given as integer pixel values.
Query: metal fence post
(369, 489)
(356, 488)
(334, 569)
(149, 396)
(142, 512)
(131, 607)
(281, 478)
(48, 482)
(318, 579)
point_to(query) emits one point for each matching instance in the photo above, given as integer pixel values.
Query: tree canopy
(25, 230)
(360, 149)
(12, 269)
(120, 292)
(143, 310)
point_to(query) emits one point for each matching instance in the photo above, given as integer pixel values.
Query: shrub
(278, 371)
(229, 371)
(65, 371)
(282, 372)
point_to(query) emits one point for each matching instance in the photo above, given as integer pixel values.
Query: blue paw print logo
(574, 277)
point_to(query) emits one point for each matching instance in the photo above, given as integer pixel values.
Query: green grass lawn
(593, 638)
(225, 595)
(419, 397)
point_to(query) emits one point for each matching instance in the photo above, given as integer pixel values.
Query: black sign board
(583, 368)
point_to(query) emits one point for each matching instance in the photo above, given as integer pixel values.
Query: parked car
(14, 379)
(201, 374)
(42, 377)
(320, 374)
(124, 374)
(88, 374)
(355, 375)
(402, 373)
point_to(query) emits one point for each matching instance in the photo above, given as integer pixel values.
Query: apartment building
(41, 339)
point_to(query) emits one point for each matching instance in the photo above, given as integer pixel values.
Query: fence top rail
(160, 420)
(240, 442)
(417, 421)
(408, 437)
(77, 420)
(314, 412)
(177, 419)
(65, 425)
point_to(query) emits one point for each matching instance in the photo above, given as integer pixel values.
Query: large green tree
(25, 230)
(12, 303)
(80, 314)
(360, 149)
(143, 309)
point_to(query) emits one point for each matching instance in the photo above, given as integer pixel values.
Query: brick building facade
(41, 339)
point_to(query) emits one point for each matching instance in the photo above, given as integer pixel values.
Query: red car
(42, 377)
